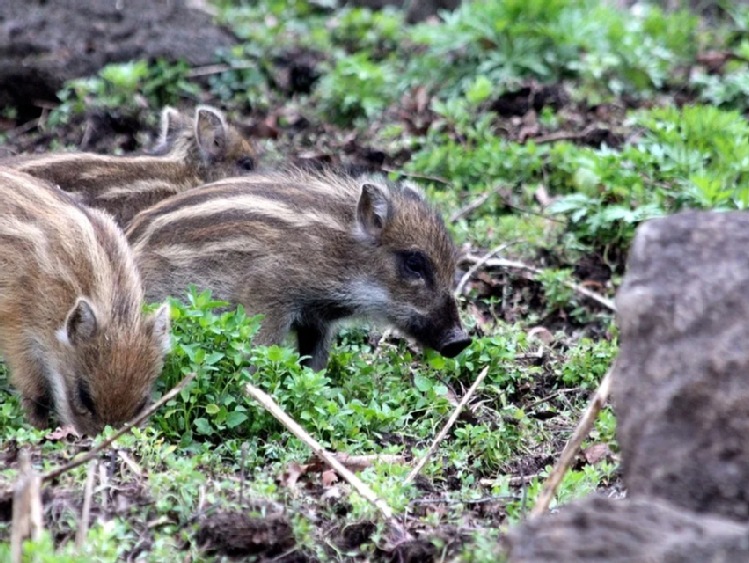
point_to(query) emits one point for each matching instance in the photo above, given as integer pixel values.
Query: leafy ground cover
(545, 131)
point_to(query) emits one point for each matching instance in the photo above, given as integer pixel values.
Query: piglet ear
(81, 323)
(161, 328)
(172, 122)
(211, 132)
(373, 210)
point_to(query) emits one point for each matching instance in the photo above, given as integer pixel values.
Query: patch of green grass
(360, 396)
(360, 30)
(611, 52)
(364, 395)
(690, 158)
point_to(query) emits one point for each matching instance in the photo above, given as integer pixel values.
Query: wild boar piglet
(190, 152)
(73, 332)
(307, 249)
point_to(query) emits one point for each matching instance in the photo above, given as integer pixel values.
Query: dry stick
(27, 508)
(242, 466)
(473, 205)
(88, 491)
(453, 417)
(362, 462)
(362, 488)
(475, 267)
(481, 500)
(504, 263)
(130, 462)
(91, 454)
(572, 446)
(217, 69)
(565, 135)
(437, 179)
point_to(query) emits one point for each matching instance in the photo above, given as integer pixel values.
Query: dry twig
(92, 453)
(475, 267)
(362, 462)
(27, 508)
(362, 488)
(88, 491)
(242, 466)
(441, 436)
(468, 501)
(130, 462)
(572, 447)
(210, 70)
(474, 204)
(567, 135)
(504, 263)
(437, 179)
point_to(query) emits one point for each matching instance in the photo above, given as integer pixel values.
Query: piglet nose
(454, 343)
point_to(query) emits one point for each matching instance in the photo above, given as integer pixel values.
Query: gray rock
(619, 531)
(681, 380)
(43, 44)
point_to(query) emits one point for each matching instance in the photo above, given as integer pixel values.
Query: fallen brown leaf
(596, 453)
(292, 473)
(541, 333)
(542, 196)
(354, 462)
(62, 433)
(329, 477)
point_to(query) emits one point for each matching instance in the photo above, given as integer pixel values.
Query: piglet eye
(246, 163)
(84, 397)
(414, 264)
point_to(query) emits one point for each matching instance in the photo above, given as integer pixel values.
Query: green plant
(503, 41)
(610, 50)
(363, 30)
(216, 347)
(588, 362)
(245, 81)
(355, 87)
(125, 87)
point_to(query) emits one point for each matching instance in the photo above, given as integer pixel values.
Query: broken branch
(88, 491)
(475, 267)
(504, 263)
(474, 204)
(572, 447)
(27, 518)
(445, 429)
(360, 486)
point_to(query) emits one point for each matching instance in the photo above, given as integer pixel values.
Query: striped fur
(305, 249)
(72, 330)
(190, 152)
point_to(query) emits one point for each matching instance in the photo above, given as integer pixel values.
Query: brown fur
(72, 330)
(190, 152)
(305, 249)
